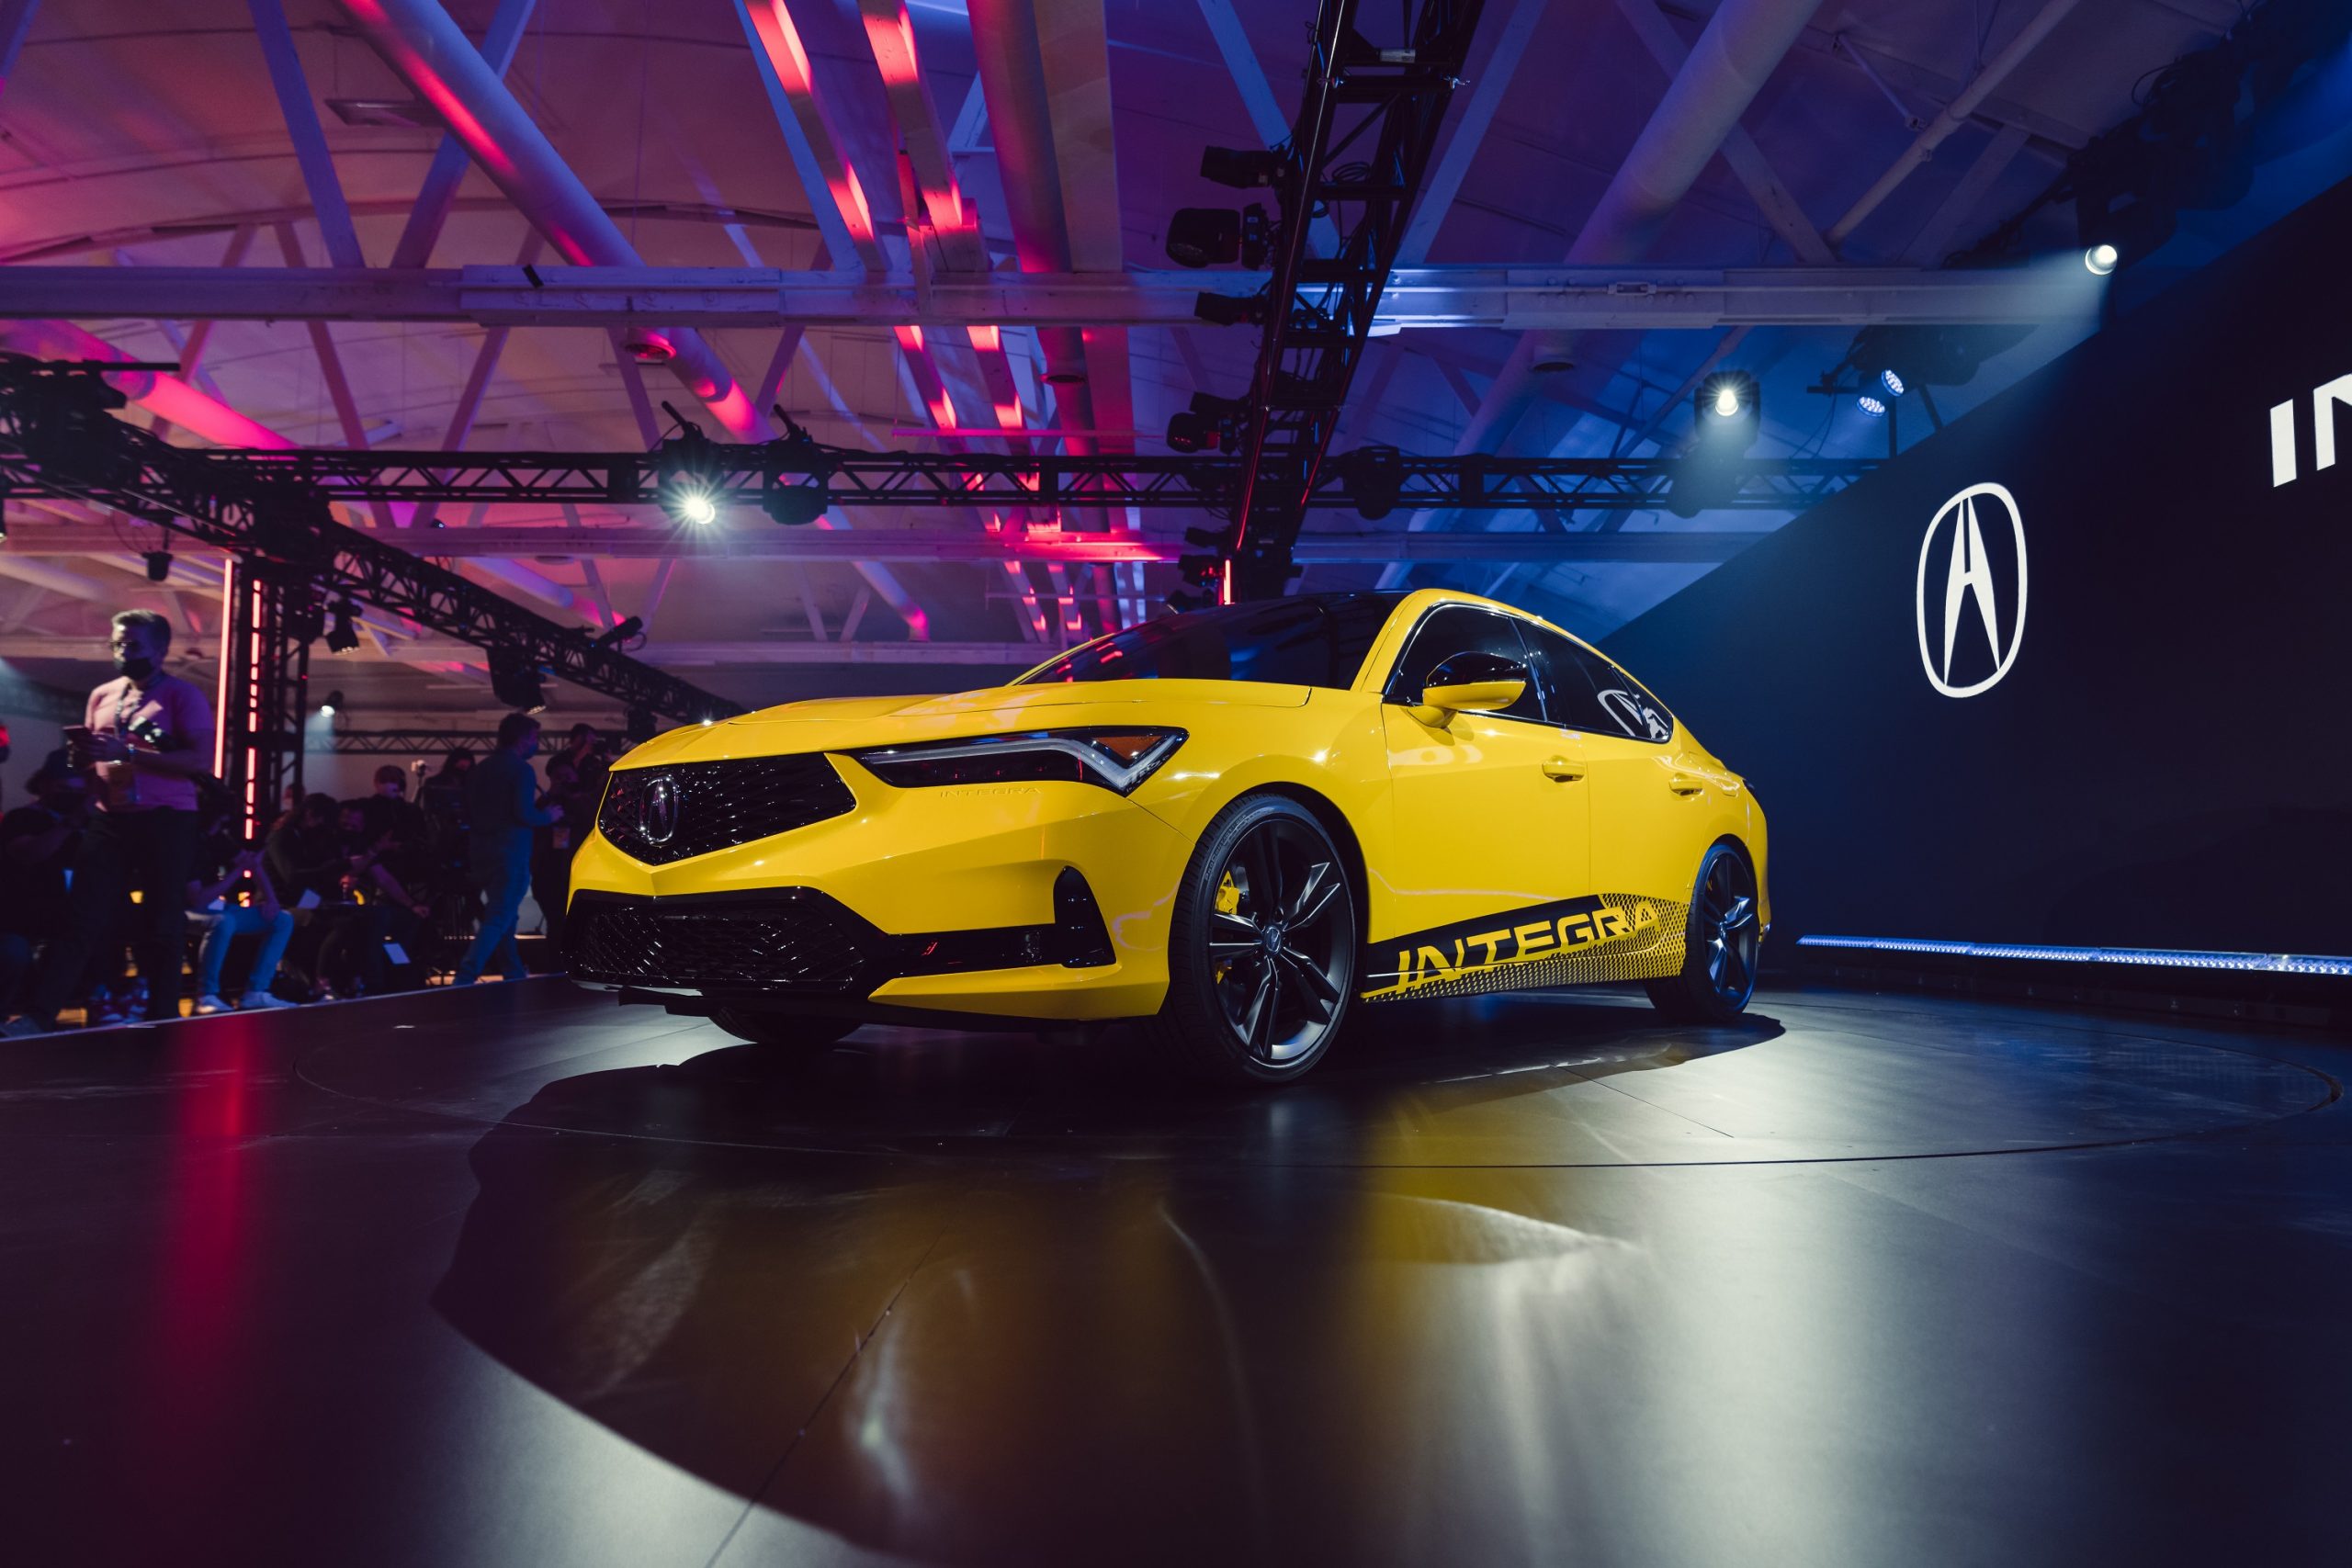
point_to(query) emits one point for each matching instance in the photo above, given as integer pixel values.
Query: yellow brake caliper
(1229, 902)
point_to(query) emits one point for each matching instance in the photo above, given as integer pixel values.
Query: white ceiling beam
(1630, 294)
(1928, 246)
(1955, 115)
(347, 405)
(1490, 77)
(301, 115)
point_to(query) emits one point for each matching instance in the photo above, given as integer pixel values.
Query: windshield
(1318, 641)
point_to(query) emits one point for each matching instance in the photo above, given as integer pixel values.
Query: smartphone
(77, 735)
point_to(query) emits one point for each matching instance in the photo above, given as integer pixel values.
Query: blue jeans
(222, 927)
(503, 886)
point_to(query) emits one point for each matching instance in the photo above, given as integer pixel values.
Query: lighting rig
(58, 437)
(1316, 313)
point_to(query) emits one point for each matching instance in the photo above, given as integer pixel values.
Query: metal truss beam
(1378, 106)
(738, 476)
(759, 542)
(57, 439)
(1517, 298)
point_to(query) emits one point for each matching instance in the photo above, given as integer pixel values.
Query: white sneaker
(207, 1006)
(263, 1001)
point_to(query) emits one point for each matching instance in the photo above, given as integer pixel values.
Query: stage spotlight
(2101, 258)
(1219, 236)
(1242, 168)
(1892, 382)
(515, 680)
(1188, 432)
(342, 636)
(621, 633)
(333, 705)
(794, 506)
(159, 566)
(1729, 411)
(1371, 477)
(1871, 406)
(687, 466)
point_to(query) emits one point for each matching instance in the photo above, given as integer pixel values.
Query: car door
(1488, 816)
(1650, 815)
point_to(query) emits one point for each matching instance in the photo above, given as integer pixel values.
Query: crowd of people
(129, 853)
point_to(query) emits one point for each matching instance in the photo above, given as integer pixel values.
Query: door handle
(1683, 784)
(1561, 771)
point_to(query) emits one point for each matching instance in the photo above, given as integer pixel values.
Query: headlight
(1118, 759)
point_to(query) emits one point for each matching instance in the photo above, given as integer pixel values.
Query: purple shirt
(179, 709)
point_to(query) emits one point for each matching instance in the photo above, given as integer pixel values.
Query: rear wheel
(1720, 949)
(785, 1031)
(1261, 953)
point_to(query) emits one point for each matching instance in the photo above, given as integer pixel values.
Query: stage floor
(518, 1276)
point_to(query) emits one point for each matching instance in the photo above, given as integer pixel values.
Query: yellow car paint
(1493, 851)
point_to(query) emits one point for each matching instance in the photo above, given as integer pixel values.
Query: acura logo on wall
(657, 811)
(1981, 623)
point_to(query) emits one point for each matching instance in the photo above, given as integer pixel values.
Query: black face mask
(138, 667)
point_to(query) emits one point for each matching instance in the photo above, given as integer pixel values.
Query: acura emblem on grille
(657, 811)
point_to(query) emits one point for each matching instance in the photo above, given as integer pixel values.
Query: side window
(1586, 692)
(1460, 628)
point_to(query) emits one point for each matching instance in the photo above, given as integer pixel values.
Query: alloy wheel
(1727, 929)
(1279, 940)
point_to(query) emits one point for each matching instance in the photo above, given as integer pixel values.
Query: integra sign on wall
(2284, 442)
(2159, 754)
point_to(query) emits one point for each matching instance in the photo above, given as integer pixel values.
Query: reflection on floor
(516, 1275)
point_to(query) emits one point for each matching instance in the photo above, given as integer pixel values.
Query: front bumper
(925, 899)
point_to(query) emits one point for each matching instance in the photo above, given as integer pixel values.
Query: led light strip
(2145, 958)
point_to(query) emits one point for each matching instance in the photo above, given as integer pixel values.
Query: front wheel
(1261, 953)
(1720, 948)
(798, 1032)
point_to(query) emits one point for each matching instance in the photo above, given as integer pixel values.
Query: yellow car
(1240, 824)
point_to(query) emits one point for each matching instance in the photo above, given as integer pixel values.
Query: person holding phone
(145, 738)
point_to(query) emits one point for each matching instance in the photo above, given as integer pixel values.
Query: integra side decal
(1578, 941)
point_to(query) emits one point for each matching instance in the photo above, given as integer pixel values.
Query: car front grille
(794, 938)
(720, 805)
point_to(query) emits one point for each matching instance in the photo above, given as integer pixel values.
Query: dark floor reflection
(915, 1091)
(1007, 1347)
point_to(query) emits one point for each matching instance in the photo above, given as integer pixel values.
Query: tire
(1720, 944)
(1261, 951)
(794, 1031)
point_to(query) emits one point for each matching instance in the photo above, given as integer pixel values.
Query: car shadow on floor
(944, 1277)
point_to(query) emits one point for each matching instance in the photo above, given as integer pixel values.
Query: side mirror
(1470, 683)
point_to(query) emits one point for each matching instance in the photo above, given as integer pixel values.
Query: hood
(843, 724)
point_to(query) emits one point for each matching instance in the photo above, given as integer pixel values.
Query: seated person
(213, 909)
(37, 845)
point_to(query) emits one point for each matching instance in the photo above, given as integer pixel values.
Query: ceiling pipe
(424, 48)
(1956, 114)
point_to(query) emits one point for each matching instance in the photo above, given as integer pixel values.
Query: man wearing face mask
(150, 737)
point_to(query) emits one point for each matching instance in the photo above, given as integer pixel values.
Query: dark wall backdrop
(2165, 764)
